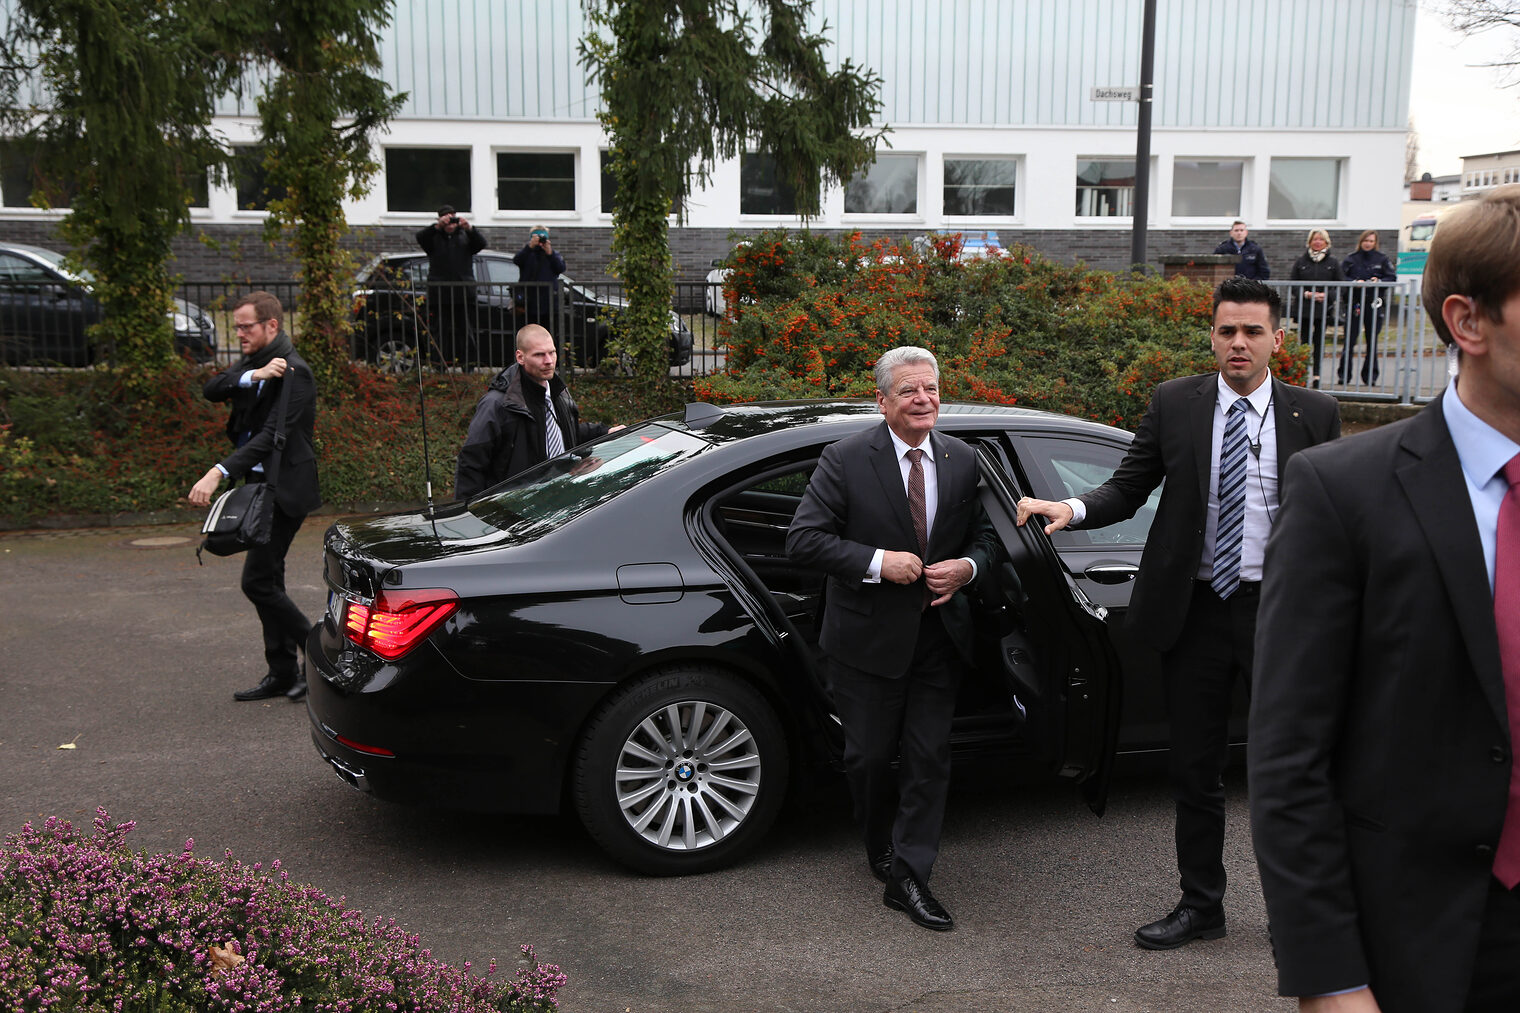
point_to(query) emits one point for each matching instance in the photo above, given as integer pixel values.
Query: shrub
(81, 442)
(808, 316)
(90, 925)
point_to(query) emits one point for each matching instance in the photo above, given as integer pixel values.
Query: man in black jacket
(1252, 263)
(253, 387)
(451, 245)
(1219, 441)
(511, 430)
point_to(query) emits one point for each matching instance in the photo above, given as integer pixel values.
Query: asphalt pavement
(130, 653)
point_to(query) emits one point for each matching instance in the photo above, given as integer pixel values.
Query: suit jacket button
(1498, 755)
(1484, 852)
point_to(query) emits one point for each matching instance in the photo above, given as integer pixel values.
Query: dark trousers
(285, 626)
(1313, 316)
(907, 718)
(1215, 648)
(1365, 319)
(451, 316)
(1496, 975)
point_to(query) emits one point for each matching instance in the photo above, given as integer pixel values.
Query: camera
(451, 220)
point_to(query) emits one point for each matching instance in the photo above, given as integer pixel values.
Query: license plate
(335, 607)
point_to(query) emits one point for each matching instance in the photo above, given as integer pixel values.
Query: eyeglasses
(240, 328)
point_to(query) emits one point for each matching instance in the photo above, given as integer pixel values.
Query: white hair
(903, 355)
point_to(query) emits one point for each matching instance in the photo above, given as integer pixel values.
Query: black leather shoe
(881, 863)
(297, 690)
(271, 686)
(908, 894)
(1182, 926)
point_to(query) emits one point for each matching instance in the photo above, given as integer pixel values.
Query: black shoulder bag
(243, 516)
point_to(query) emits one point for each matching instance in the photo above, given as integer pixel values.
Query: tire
(644, 781)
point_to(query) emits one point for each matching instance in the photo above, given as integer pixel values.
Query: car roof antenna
(427, 459)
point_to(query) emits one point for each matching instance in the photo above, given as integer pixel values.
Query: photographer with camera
(541, 268)
(451, 245)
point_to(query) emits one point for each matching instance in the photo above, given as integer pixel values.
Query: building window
(980, 186)
(762, 191)
(609, 188)
(250, 179)
(425, 179)
(888, 186)
(535, 180)
(20, 175)
(1206, 188)
(1105, 187)
(1304, 189)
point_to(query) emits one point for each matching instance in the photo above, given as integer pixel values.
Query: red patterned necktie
(1507, 619)
(919, 512)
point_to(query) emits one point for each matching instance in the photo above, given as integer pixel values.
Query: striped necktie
(1229, 536)
(554, 440)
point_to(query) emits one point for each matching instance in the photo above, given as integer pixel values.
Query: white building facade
(1284, 113)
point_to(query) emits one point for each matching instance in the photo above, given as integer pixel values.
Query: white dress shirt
(931, 496)
(1261, 480)
(1483, 451)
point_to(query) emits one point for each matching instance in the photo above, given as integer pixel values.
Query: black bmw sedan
(620, 632)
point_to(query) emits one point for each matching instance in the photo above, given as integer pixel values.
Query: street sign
(1116, 93)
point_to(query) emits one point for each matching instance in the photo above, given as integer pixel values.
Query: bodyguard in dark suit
(892, 516)
(252, 386)
(1220, 441)
(1385, 786)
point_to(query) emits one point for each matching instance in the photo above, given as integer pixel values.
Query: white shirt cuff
(246, 380)
(1078, 510)
(873, 572)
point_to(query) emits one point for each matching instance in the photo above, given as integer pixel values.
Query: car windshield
(557, 491)
(55, 261)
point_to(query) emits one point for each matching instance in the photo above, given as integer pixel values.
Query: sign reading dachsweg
(1116, 93)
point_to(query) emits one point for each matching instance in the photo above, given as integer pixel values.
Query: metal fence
(451, 325)
(1369, 341)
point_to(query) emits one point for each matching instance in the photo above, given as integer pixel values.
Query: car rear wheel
(681, 772)
(395, 355)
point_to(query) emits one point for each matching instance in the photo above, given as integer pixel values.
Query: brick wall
(239, 252)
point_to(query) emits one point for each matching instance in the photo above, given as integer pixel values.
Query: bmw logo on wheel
(685, 771)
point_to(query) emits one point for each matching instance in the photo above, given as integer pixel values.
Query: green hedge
(808, 315)
(81, 442)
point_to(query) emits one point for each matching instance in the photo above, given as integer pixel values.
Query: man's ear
(1465, 319)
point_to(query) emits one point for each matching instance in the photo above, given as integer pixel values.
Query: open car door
(1050, 643)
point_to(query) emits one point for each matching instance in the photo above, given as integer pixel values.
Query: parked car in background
(46, 310)
(716, 279)
(620, 631)
(390, 313)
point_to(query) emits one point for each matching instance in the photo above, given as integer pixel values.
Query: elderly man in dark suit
(1219, 440)
(892, 516)
(1385, 783)
(253, 387)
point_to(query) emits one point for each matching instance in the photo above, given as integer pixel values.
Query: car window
(411, 273)
(496, 271)
(19, 269)
(1062, 468)
(561, 489)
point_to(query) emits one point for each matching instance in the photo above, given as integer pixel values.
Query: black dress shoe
(908, 894)
(1182, 926)
(272, 685)
(881, 863)
(297, 690)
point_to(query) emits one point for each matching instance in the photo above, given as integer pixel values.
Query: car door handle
(1111, 573)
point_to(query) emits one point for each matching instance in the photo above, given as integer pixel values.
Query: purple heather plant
(88, 925)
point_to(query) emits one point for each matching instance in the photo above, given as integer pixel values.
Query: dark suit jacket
(296, 491)
(855, 504)
(1174, 443)
(1379, 747)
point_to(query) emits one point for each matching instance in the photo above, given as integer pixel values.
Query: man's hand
(1360, 1001)
(900, 567)
(1059, 514)
(202, 491)
(272, 370)
(613, 429)
(946, 577)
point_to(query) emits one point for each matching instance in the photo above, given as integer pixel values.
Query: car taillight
(398, 621)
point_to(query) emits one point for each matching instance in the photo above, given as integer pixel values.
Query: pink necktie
(1507, 619)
